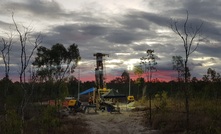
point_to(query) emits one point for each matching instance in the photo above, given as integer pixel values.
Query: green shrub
(49, 119)
(160, 101)
(13, 121)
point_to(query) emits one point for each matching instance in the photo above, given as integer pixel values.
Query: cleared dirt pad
(126, 122)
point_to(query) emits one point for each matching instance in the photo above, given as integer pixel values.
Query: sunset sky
(124, 29)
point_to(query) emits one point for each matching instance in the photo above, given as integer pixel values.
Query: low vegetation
(43, 120)
(168, 115)
(168, 106)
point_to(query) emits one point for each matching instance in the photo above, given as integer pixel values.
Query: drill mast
(99, 73)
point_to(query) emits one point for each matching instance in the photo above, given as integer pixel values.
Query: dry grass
(66, 126)
(205, 117)
(73, 126)
(45, 120)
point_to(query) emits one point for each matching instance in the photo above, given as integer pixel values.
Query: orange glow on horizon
(162, 76)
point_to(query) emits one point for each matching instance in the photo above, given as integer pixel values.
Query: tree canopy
(57, 62)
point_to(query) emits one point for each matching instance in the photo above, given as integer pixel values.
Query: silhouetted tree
(149, 63)
(178, 65)
(188, 35)
(139, 81)
(25, 39)
(125, 76)
(57, 62)
(5, 52)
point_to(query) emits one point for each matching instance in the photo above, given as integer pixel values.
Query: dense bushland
(168, 108)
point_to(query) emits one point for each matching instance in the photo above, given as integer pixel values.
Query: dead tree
(5, 51)
(188, 35)
(6, 54)
(25, 57)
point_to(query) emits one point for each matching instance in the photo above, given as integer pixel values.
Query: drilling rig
(99, 74)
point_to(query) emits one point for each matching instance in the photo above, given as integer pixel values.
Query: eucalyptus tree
(178, 65)
(140, 80)
(125, 76)
(189, 35)
(212, 80)
(149, 63)
(54, 65)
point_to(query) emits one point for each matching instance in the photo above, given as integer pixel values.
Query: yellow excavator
(130, 99)
(73, 104)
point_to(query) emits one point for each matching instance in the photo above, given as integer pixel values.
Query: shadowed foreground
(126, 122)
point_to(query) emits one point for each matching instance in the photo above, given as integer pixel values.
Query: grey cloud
(210, 50)
(4, 25)
(212, 31)
(94, 30)
(121, 33)
(140, 47)
(143, 19)
(35, 8)
(124, 36)
(65, 34)
(134, 22)
(205, 9)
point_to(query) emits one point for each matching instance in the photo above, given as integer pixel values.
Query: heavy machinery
(73, 104)
(99, 73)
(130, 99)
(99, 76)
(101, 86)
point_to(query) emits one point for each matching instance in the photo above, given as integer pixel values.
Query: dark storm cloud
(164, 65)
(36, 8)
(68, 33)
(204, 9)
(210, 50)
(140, 47)
(95, 30)
(157, 19)
(124, 36)
(212, 31)
(132, 21)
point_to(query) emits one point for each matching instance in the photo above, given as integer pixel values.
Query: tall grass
(169, 115)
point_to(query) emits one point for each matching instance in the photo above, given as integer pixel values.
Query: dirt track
(126, 122)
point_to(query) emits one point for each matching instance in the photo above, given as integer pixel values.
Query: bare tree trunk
(5, 51)
(24, 60)
(150, 117)
(188, 35)
(150, 60)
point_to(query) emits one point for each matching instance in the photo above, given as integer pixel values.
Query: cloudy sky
(124, 29)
